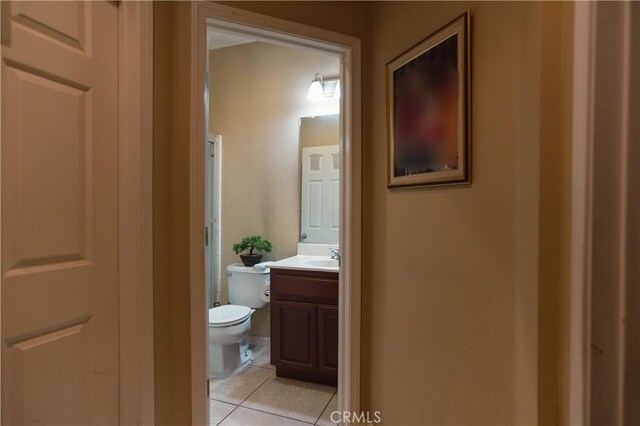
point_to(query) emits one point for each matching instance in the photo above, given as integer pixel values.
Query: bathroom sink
(308, 263)
(322, 263)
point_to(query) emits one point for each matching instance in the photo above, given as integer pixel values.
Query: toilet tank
(245, 285)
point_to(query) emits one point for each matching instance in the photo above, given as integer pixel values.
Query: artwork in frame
(428, 110)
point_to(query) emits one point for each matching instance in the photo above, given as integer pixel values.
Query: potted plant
(251, 244)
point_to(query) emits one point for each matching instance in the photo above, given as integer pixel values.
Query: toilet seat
(228, 315)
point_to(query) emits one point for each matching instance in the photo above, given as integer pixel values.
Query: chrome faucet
(335, 253)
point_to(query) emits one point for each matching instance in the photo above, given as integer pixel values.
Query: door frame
(603, 177)
(135, 230)
(348, 49)
(581, 202)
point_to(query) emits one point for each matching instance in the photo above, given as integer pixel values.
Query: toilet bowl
(229, 325)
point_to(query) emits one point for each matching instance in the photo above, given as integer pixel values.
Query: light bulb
(315, 91)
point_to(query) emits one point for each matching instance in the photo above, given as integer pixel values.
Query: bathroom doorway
(239, 27)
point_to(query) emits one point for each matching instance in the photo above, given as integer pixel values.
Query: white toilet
(229, 325)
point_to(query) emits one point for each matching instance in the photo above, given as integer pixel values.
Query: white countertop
(308, 263)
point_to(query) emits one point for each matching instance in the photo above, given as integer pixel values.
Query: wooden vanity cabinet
(328, 341)
(304, 325)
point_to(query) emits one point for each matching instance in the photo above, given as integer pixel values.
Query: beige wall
(258, 94)
(320, 131)
(171, 138)
(461, 295)
(441, 279)
(481, 285)
(461, 284)
(555, 208)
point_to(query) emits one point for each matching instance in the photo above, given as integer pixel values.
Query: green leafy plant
(254, 242)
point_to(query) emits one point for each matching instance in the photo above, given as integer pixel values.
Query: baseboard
(259, 340)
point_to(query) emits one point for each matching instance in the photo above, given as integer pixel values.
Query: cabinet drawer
(306, 286)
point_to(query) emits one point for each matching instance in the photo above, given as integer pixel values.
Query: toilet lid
(228, 315)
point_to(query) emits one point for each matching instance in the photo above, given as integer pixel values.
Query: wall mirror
(320, 179)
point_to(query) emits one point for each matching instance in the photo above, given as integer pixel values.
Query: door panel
(63, 21)
(49, 388)
(42, 110)
(60, 213)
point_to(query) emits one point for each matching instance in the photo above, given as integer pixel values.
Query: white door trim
(136, 212)
(581, 207)
(604, 214)
(348, 49)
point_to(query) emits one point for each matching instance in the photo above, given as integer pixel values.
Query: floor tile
(244, 416)
(218, 410)
(325, 418)
(291, 398)
(237, 388)
(262, 357)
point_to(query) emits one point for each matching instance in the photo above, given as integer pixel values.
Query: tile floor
(257, 397)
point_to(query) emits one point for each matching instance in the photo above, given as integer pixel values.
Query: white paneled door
(320, 194)
(60, 213)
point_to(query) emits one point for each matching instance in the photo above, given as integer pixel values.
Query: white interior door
(208, 225)
(213, 196)
(320, 216)
(60, 213)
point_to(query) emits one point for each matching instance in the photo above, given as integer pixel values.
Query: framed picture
(428, 110)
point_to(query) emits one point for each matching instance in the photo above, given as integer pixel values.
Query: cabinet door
(295, 336)
(328, 340)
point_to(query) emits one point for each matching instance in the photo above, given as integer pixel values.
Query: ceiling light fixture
(323, 88)
(316, 90)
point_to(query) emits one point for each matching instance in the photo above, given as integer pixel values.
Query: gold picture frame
(429, 110)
